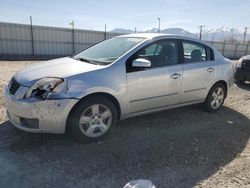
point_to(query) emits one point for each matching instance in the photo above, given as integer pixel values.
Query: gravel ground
(184, 147)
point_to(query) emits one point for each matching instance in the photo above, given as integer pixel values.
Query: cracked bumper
(47, 116)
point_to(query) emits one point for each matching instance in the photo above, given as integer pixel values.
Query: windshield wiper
(106, 61)
(95, 62)
(84, 60)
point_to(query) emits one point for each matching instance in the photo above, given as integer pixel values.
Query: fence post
(73, 40)
(213, 41)
(32, 37)
(223, 48)
(105, 32)
(247, 48)
(72, 23)
(235, 51)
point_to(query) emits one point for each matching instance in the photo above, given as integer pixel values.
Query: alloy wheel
(217, 98)
(95, 120)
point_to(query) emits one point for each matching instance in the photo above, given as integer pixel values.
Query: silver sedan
(122, 77)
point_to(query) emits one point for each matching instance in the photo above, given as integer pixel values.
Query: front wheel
(92, 119)
(215, 98)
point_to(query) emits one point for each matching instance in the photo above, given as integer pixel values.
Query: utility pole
(32, 37)
(159, 25)
(73, 36)
(201, 26)
(245, 34)
(135, 29)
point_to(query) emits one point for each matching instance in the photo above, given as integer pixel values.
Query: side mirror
(141, 63)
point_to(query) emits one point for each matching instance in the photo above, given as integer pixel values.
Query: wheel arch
(100, 94)
(224, 83)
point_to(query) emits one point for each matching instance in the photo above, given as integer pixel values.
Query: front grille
(246, 64)
(14, 86)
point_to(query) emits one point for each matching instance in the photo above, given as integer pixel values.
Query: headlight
(44, 87)
(239, 64)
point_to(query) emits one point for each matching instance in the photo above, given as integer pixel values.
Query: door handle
(175, 75)
(210, 69)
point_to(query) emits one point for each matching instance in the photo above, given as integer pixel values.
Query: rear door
(159, 85)
(198, 71)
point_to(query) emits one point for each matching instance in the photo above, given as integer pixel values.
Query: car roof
(155, 35)
(145, 35)
(164, 36)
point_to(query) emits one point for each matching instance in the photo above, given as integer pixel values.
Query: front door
(157, 86)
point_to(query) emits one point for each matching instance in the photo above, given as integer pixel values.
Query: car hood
(62, 68)
(246, 57)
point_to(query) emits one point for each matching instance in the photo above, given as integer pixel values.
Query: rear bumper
(48, 116)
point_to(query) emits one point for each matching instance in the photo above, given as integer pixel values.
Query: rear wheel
(215, 98)
(92, 119)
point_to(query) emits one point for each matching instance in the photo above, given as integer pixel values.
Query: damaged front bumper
(45, 116)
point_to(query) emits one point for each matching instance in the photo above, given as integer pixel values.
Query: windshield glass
(109, 50)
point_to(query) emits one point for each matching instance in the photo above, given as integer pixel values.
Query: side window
(194, 52)
(160, 53)
(150, 50)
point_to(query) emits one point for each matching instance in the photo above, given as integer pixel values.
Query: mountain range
(220, 34)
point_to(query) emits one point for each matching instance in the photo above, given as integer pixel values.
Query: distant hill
(225, 33)
(122, 31)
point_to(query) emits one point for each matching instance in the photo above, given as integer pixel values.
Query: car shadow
(174, 148)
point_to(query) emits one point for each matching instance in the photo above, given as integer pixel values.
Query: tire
(211, 103)
(86, 122)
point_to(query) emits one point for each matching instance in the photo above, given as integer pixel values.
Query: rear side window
(196, 52)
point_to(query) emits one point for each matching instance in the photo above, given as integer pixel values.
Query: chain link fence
(21, 41)
(231, 50)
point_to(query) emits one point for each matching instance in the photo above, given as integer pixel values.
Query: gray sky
(93, 14)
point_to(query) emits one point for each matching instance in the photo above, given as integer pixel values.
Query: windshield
(109, 50)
